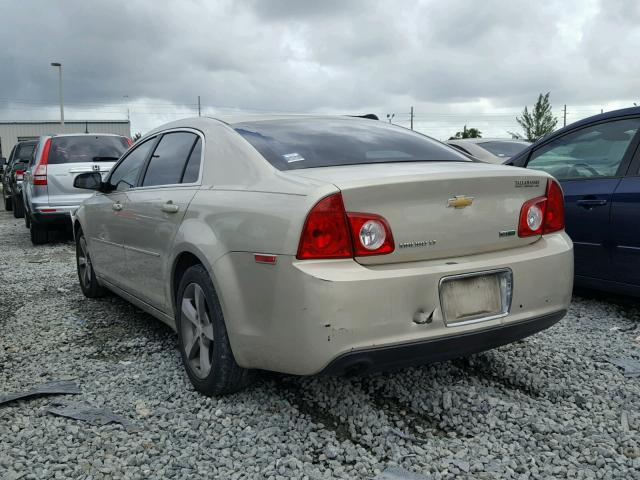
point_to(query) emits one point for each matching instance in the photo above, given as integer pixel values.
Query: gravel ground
(551, 406)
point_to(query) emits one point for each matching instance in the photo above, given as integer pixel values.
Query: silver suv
(48, 192)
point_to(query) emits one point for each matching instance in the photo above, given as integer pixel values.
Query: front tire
(203, 339)
(86, 275)
(39, 233)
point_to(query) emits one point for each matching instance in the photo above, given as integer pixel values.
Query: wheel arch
(181, 263)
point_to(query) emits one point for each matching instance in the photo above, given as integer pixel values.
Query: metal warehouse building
(14, 132)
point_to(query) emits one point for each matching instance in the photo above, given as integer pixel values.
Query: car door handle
(117, 206)
(170, 207)
(590, 203)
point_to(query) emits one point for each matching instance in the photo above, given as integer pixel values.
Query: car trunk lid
(438, 209)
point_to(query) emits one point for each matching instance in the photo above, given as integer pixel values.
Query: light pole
(59, 65)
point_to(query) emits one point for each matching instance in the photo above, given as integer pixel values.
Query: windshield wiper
(105, 159)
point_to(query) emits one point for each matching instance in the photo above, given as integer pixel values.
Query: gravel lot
(551, 406)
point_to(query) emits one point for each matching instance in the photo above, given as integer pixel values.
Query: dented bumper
(303, 317)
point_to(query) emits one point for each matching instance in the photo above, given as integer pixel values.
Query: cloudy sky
(454, 61)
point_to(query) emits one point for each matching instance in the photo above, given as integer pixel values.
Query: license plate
(475, 297)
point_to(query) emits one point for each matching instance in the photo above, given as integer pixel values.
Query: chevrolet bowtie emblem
(460, 201)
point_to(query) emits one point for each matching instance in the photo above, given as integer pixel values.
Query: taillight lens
(19, 174)
(40, 172)
(554, 216)
(326, 233)
(330, 232)
(543, 214)
(371, 234)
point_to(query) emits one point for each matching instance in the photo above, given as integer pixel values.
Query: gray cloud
(286, 55)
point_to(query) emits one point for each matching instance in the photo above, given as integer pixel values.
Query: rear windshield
(307, 143)
(504, 149)
(24, 152)
(86, 148)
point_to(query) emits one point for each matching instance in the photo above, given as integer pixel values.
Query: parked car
(322, 244)
(597, 162)
(492, 150)
(12, 175)
(49, 195)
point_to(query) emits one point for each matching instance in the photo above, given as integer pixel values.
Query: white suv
(49, 194)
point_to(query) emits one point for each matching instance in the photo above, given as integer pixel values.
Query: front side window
(126, 173)
(169, 158)
(591, 152)
(290, 144)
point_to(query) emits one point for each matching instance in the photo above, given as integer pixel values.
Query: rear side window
(86, 148)
(192, 170)
(324, 142)
(125, 175)
(169, 158)
(24, 152)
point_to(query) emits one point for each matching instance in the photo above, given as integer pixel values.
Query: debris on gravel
(551, 406)
(62, 387)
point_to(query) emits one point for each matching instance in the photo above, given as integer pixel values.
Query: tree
(540, 121)
(467, 133)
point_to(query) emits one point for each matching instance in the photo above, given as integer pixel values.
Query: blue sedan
(597, 161)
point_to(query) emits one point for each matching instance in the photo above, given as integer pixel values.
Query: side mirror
(88, 181)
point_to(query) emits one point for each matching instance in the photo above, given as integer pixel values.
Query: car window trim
(627, 158)
(161, 134)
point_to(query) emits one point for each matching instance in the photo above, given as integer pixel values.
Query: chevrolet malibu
(308, 244)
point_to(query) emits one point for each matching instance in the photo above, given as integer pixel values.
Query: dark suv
(12, 176)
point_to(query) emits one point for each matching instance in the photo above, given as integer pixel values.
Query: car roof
(84, 135)
(488, 139)
(231, 120)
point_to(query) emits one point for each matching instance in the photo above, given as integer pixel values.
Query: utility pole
(411, 118)
(59, 65)
(565, 115)
(198, 105)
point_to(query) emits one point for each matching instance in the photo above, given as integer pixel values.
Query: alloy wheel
(84, 263)
(197, 330)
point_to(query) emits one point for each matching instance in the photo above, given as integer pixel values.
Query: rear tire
(203, 339)
(86, 275)
(39, 233)
(18, 209)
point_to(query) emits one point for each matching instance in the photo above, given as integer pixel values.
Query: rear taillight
(330, 232)
(129, 141)
(19, 174)
(543, 214)
(371, 234)
(40, 172)
(554, 216)
(326, 233)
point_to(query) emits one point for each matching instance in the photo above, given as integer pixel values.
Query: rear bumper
(59, 217)
(438, 349)
(300, 317)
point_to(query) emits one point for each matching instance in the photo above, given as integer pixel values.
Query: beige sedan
(308, 244)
